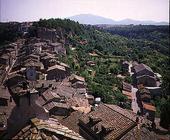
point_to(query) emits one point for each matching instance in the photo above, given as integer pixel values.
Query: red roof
(149, 107)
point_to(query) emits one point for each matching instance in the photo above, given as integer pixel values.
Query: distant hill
(93, 20)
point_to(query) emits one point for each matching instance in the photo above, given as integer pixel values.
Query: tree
(165, 114)
(128, 79)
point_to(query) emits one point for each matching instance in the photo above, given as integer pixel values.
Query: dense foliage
(150, 45)
(8, 32)
(106, 48)
(145, 44)
(165, 114)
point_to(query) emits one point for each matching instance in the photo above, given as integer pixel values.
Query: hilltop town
(46, 94)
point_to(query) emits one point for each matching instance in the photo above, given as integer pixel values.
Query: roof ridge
(117, 112)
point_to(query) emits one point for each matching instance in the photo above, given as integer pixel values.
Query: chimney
(94, 120)
(106, 129)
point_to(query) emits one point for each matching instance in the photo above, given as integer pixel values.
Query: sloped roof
(56, 67)
(52, 105)
(49, 95)
(40, 44)
(32, 63)
(128, 113)
(149, 107)
(64, 64)
(79, 78)
(127, 87)
(71, 121)
(128, 94)
(145, 134)
(41, 101)
(141, 67)
(108, 118)
(146, 76)
(46, 129)
(15, 76)
(5, 56)
(78, 102)
(56, 44)
(65, 91)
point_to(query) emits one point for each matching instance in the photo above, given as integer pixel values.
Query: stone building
(56, 72)
(25, 109)
(144, 75)
(104, 123)
(75, 78)
(57, 108)
(49, 129)
(47, 34)
(57, 47)
(6, 60)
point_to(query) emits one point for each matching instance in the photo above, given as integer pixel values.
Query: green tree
(165, 114)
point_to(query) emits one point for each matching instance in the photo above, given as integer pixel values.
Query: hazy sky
(29, 10)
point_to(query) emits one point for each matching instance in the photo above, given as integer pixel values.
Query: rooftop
(149, 107)
(65, 91)
(73, 76)
(109, 119)
(127, 87)
(52, 105)
(71, 121)
(48, 95)
(56, 67)
(141, 67)
(40, 44)
(128, 94)
(128, 113)
(55, 44)
(3, 94)
(47, 129)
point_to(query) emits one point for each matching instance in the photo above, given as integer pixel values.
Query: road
(134, 104)
(130, 71)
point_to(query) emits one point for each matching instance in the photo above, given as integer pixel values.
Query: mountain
(94, 19)
(91, 19)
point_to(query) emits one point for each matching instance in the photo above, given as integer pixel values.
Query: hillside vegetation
(106, 48)
(145, 44)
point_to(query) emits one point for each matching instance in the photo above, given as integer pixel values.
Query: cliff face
(47, 34)
(53, 35)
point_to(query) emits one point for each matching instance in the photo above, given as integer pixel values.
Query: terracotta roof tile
(79, 78)
(127, 87)
(56, 67)
(52, 105)
(118, 123)
(149, 107)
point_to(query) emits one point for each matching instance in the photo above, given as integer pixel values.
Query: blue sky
(31, 10)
